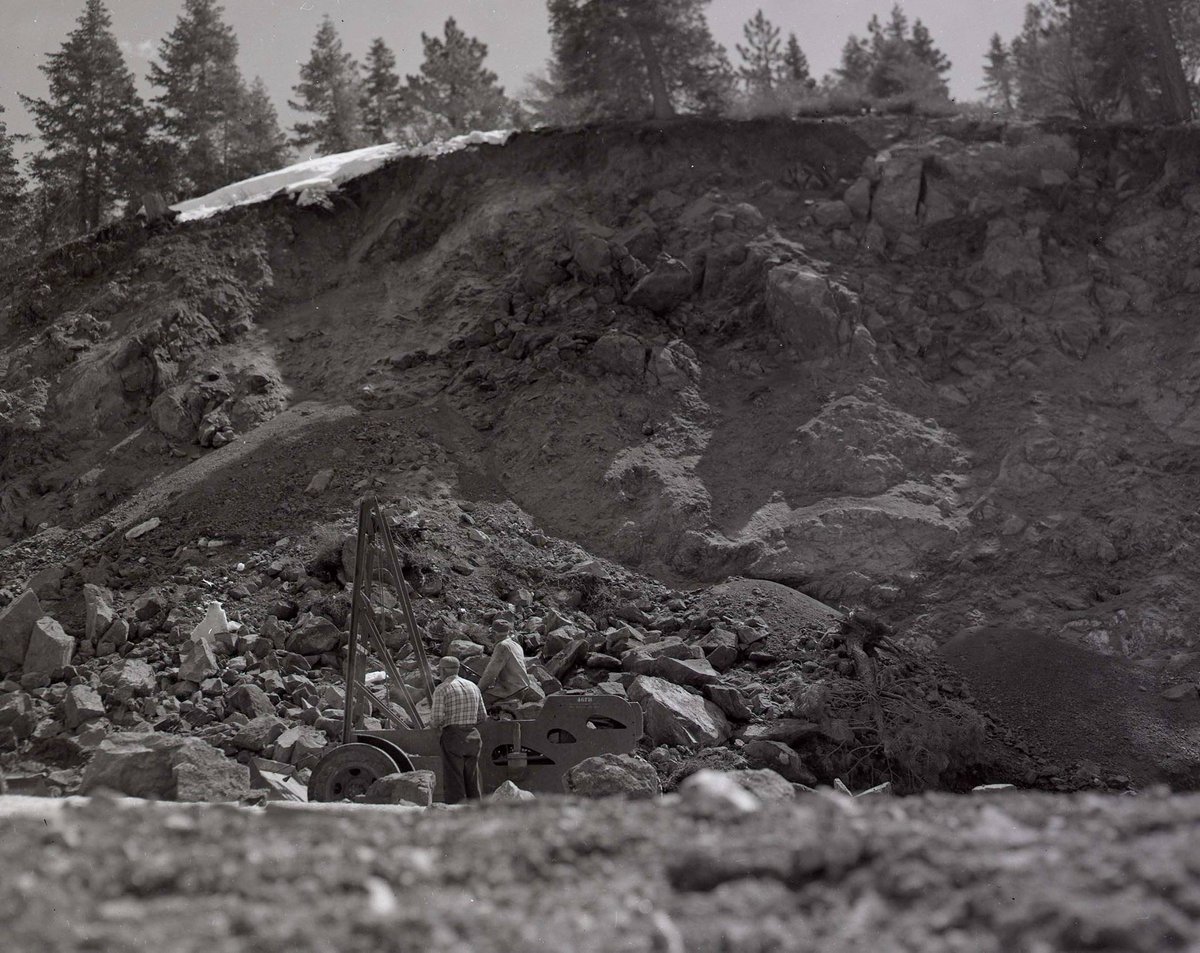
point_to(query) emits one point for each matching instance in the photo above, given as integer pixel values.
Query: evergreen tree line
(627, 58)
(102, 146)
(1099, 60)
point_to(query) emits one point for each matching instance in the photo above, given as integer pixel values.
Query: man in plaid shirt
(457, 709)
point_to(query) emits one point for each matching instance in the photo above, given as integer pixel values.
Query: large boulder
(764, 784)
(81, 704)
(50, 648)
(250, 700)
(643, 659)
(674, 716)
(259, 734)
(608, 774)
(99, 613)
(16, 625)
(695, 672)
(198, 662)
(898, 191)
(720, 647)
(665, 288)
(717, 795)
(777, 757)
(404, 787)
(314, 635)
(808, 310)
(300, 745)
(164, 767)
(129, 679)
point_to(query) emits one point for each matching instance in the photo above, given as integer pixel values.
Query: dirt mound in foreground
(985, 873)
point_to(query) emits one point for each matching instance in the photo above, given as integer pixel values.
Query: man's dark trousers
(460, 759)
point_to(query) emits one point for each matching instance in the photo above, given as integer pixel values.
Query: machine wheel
(347, 771)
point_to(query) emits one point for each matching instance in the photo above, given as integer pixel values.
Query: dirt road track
(998, 872)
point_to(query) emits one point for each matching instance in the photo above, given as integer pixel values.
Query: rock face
(405, 787)
(50, 648)
(666, 287)
(674, 716)
(807, 309)
(16, 626)
(609, 774)
(164, 767)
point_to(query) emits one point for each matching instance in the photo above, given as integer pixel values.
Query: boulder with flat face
(665, 288)
(98, 611)
(16, 625)
(314, 635)
(164, 767)
(129, 679)
(81, 704)
(674, 716)
(404, 787)
(614, 774)
(50, 648)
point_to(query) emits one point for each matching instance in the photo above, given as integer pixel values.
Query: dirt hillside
(939, 370)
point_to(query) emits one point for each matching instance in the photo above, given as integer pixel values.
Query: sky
(276, 35)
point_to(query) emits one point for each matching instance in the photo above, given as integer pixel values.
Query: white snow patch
(312, 180)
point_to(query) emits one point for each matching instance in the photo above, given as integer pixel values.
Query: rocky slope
(939, 370)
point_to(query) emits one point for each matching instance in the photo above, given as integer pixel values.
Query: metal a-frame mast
(376, 570)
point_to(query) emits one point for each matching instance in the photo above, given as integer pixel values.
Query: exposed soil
(675, 380)
(1081, 705)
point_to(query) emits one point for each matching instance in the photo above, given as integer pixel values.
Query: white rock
(143, 528)
(714, 793)
(213, 624)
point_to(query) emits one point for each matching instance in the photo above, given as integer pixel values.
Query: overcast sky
(276, 35)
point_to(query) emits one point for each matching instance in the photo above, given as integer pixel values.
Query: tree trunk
(1178, 100)
(658, 86)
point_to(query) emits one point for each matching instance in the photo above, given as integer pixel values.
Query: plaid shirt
(456, 702)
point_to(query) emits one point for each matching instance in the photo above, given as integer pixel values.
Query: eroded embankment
(934, 368)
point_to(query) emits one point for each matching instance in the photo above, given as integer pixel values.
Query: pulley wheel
(347, 771)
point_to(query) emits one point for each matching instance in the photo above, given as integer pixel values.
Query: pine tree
(630, 58)
(1100, 59)
(93, 126)
(201, 96)
(259, 144)
(999, 77)
(795, 64)
(328, 87)
(895, 60)
(761, 56)
(856, 62)
(925, 50)
(12, 192)
(455, 93)
(381, 97)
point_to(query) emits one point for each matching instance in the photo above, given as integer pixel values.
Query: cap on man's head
(449, 664)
